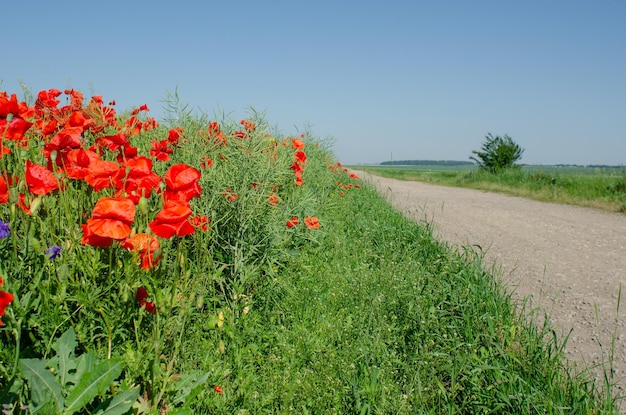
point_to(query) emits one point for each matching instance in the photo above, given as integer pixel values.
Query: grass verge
(378, 317)
(597, 188)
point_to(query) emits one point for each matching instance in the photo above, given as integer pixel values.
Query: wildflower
(112, 217)
(218, 389)
(181, 183)
(54, 251)
(229, 195)
(311, 222)
(172, 220)
(141, 296)
(200, 222)
(90, 238)
(272, 199)
(5, 230)
(40, 180)
(292, 222)
(100, 173)
(297, 144)
(160, 150)
(5, 299)
(146, 246)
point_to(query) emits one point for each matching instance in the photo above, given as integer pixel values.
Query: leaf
(85, 363)
(44, 387)
(189, 386)
(65, 351)
(94, 383)
(120, 403)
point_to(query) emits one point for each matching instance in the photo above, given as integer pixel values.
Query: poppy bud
(143, 205)
(35, 205)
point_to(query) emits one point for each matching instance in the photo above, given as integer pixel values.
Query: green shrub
(498, 153)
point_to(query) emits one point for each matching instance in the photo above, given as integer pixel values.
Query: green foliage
(497, 153)
(69, 384)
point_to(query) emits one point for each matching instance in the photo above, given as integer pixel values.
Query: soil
(566, 263)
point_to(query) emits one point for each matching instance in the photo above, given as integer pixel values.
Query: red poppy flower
(61, 144)
(113, 142)
(200, 222)
(172, 220)
(181, 183)
(135, 178)
(292, 222)
(299, 180)
(100, 174)
(5, 299)
(4, 190)
(146, 246)
(206, 162)
(272, 199)
(90, 238)
(218, 389)
(141, 296)
(229, 195)
(174, 135)
(311, 222)
(40, 180)
(112, 217)
(78, 162)
(300, 157)
(14, 129)
(297, 144)
(160, 150)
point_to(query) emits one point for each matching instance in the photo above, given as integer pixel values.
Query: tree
(498, 153)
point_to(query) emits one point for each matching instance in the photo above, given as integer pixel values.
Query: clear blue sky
(402, 79)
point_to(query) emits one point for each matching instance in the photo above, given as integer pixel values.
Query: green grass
(602, 188)
(377, 317)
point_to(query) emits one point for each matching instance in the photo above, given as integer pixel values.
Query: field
(598, 187)
(216, 266)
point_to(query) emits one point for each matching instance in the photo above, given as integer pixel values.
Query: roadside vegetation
(218, 266)
(597, 187)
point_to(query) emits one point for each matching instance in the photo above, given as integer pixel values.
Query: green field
(598, 187)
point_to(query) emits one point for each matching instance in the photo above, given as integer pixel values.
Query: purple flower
(54, 251)
(5, 231)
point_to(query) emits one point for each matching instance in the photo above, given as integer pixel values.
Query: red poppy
(300, 157)
(299, 180)
(78, 162)
(311, 222)
(206, 162)
(5, 299)
(174, 135)
(200, 222)
(272, 199)
(147, 246)
(100, 174)
(113, 142)
(141, 296)
(297, 144)
(4, 190)
(229, 195)
(22, 203)
(61, 144)
(218, 389)
(181, 183)
(40, 180)
(90, 238)
(160, 150)
(292, 222)
(172, 220)
(135, 178)
(112, 218)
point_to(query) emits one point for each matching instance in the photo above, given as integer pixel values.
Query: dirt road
(567, 261)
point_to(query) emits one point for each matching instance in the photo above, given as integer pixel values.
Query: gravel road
(568, 263)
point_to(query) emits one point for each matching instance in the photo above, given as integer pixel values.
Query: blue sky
(393, 79)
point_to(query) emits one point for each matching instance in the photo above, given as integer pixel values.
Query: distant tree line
(426, 163)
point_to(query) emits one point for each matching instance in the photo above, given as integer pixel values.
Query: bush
(498, 153)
